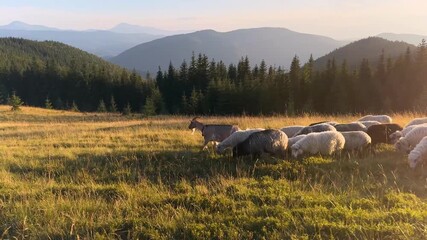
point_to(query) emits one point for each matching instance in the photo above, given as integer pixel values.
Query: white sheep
(408, 142)
(398, 134)
(324, 143)
(418, 154)
(356, 140)
(322, 127)
(369, 123)
(379, 118)
(332, 123)
(235, 138)
(350, 127)
(291, 130)
(416, 121)
(270, 141)
(293, 140)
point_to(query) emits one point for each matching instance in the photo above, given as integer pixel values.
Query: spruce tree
(113, 105)
(127, 110)
(194, 101)
(59, 104)
(184, 104)
(294, 86)
(149, 108)
(74, 107)
(48, 103)
(101, 107)
(15, 102)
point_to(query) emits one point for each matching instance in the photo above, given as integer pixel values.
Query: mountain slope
(101, 43)
(277, 46)
(368, 48)
(23, 51)
(414, 39)
(37, 70)
(17, 25)
(131, 28)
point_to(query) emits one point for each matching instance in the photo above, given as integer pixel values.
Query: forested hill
(368, 48)
(24, 51)
(41, 72)
(55, 72)
(277, 46)
(209, 87)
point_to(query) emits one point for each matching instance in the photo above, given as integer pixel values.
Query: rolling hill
(368, 48)
(414, 39)
(23, 52)
(132, 28)
(18, 25)
(39, 70)
(277, 46)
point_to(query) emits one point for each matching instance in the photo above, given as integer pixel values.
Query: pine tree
(127, 110)
(15, 102)
(59, 104)
(48, 103)
(294, 86)
(194, 101)
(367, 90)
(184, 104)
(101, 107)
(74, 107)
(149, 108)
(113, 105)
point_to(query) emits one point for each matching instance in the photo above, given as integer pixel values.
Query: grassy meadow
(66, 175)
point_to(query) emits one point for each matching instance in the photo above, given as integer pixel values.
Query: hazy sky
(341, 19)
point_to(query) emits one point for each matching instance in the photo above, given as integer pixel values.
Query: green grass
(105, 176)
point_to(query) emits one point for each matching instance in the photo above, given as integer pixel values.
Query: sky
(339, 19)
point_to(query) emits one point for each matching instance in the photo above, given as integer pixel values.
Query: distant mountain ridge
(18, 25)
(131, 28)
(277, 46)
(368, 48)
(103, 43)
(414, 39)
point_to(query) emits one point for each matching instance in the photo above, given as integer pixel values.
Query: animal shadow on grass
(132, 167)
(117, 129)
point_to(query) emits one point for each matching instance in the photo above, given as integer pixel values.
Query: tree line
(54, 75)
(209, 87)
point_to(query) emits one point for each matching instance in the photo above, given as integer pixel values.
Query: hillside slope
(368, 48)
(277, 46)
(102, 43)
(413, 39)
(64, 74)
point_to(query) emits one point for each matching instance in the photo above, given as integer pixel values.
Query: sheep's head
(193, 123)
(414, 158)
(296, 150)
(402, 145)
(394, 137)
(220, 148)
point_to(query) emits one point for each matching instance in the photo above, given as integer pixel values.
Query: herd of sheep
(325, 138)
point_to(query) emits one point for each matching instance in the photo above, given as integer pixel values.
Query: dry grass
(77, 175)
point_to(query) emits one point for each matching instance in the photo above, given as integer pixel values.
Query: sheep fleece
(324, 142)
(235, 138)
(268, 141)
(418, 154)
(356, 140)
(291, 130)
